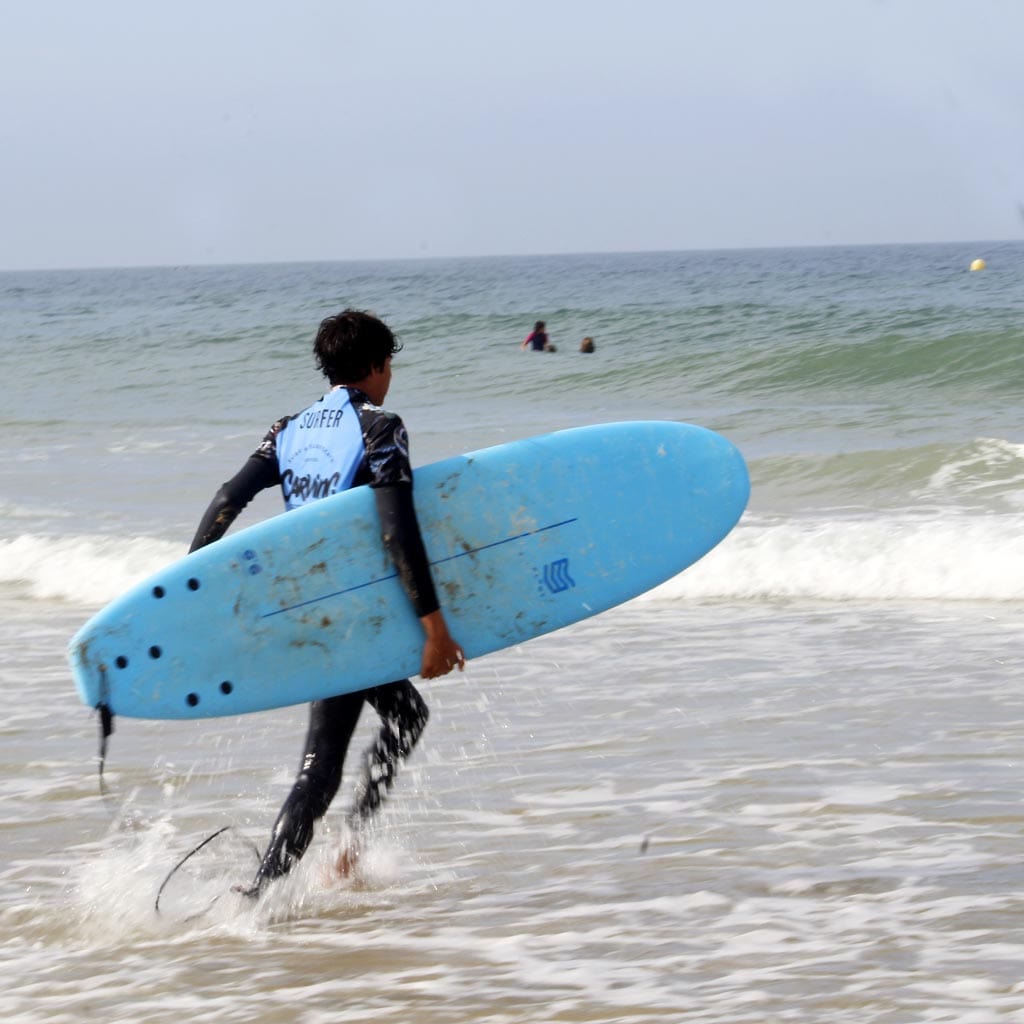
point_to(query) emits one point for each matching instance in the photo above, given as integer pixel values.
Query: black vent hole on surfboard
(121, 661)
(192, 700)
(155, 652)
(158, 592)
(193, 583)
(226, 687)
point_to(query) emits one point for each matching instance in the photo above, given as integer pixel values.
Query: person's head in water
(352, 344)
(539, 325)
(587, 345)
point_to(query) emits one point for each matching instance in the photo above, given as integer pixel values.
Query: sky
(248, 131)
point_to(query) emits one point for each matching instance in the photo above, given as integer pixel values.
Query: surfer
(537, 339)
(343, 440)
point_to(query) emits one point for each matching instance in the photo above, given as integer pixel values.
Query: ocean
(784, 786)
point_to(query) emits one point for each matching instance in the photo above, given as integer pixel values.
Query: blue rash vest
(342, 440)
(319, 450)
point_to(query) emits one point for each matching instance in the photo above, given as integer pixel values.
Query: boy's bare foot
(347, 860)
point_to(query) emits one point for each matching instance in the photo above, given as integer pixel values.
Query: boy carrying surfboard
(343, 440)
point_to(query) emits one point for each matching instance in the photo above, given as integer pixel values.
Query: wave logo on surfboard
(556, 576)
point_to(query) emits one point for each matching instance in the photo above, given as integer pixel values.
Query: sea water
(784, 786)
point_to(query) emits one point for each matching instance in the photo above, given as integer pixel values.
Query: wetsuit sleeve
(390, 476)
(258, 473)
(387, 451)
(404, 542)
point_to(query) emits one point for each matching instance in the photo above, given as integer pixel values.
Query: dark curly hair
(351, 344)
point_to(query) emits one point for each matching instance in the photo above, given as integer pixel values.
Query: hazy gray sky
(210, 131)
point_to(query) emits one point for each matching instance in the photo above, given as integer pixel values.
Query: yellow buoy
(978, 265)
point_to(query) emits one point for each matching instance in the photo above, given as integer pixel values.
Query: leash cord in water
(191, 853)
(106, 730)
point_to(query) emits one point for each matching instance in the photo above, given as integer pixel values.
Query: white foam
(85, 569)
(987, 465)
(943, 556)
(939, 557)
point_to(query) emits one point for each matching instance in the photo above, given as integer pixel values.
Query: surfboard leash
(106, 722)
(184, 860)
(106, 725)
(188, 856)
(106, 730)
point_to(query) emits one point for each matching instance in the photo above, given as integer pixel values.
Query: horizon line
(495, 256)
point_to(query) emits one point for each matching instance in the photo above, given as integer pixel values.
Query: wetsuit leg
(404, 715)
(331, 724)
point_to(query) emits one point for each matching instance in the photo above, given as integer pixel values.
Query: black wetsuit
(376, 453)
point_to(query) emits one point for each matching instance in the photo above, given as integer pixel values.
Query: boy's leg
(331, 724)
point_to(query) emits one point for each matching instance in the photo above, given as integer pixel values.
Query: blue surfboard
(523, 538)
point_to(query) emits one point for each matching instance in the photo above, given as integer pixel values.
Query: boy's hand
(440, 652)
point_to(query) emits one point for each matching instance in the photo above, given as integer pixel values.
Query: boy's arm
(401, 535)
(256, 475)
